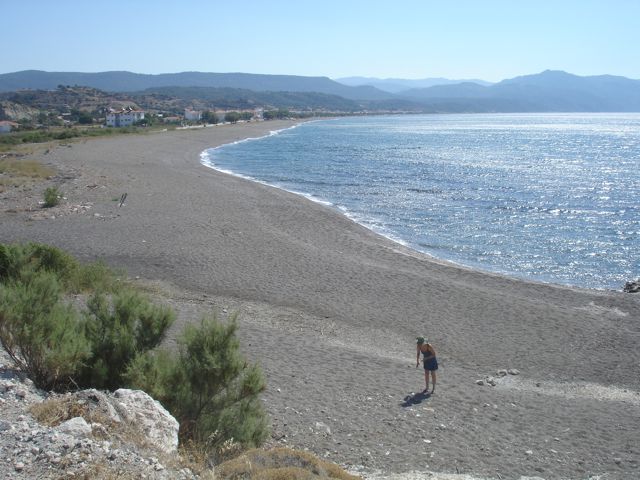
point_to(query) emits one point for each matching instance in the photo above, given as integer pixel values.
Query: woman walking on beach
(429, 360)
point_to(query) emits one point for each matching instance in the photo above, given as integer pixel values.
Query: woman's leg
(426, 379)
(433, 381)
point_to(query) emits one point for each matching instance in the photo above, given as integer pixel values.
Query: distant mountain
(549, 91)
(398, 85)
(130, 82)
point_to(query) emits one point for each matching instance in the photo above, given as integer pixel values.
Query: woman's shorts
(431, 364)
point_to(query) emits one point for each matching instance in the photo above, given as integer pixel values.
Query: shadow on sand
(415, 399)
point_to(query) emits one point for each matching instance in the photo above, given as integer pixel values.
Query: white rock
(480, 382)
(146, 414)
(513, 371)
(529, 452)
(501, 373)
(18, 466)
(322, 426)
(76, 427)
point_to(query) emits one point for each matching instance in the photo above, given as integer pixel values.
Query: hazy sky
(486, 39)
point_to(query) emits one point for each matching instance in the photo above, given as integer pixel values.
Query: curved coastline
(331, 309)
(206, 159)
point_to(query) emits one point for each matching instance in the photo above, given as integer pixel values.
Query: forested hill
(130, 82)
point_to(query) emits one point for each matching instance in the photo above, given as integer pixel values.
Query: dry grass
(280, 464)
(56, 410)
(192, 456)
(16, 172)
(24, 168)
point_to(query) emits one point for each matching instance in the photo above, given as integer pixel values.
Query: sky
(482, 39)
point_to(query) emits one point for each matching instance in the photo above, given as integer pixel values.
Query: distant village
(130, 117)
(77, 106)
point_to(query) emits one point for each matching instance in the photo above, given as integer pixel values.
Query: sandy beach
(331, 311)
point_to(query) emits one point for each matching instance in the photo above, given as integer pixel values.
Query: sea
(546, 197)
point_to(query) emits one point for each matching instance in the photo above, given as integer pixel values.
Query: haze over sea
(546, 197)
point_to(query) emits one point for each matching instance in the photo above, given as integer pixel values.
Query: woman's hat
(421, 340)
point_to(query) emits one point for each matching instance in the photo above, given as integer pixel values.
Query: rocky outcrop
(146, 414)
(124, 434)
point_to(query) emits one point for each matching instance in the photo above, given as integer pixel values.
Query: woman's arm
(417, 355)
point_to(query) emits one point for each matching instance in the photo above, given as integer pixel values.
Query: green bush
(11, 261)
(38, 330)
(209, 387)
(111, 343)
(52, 197)
(119, 329)
(40, 333)
(19, 261)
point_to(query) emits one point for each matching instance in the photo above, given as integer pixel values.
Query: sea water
(545, 197)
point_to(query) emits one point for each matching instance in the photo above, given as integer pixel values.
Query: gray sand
(331, 311)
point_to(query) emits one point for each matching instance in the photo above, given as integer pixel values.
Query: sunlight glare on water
(547, 197)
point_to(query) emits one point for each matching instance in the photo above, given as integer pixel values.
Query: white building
(192, 115)
(124, 118)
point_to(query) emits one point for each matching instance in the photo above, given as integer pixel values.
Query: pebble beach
(535, 380)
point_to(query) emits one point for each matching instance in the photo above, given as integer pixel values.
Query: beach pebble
(617, 460)
(513, 371)
(324, 427)
(18, 466)
(480, 382)
(529, 452)
(501, 373)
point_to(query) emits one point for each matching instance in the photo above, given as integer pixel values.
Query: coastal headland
(331, 311)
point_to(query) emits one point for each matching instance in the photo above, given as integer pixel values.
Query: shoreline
(369, 222)
(331, 309)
